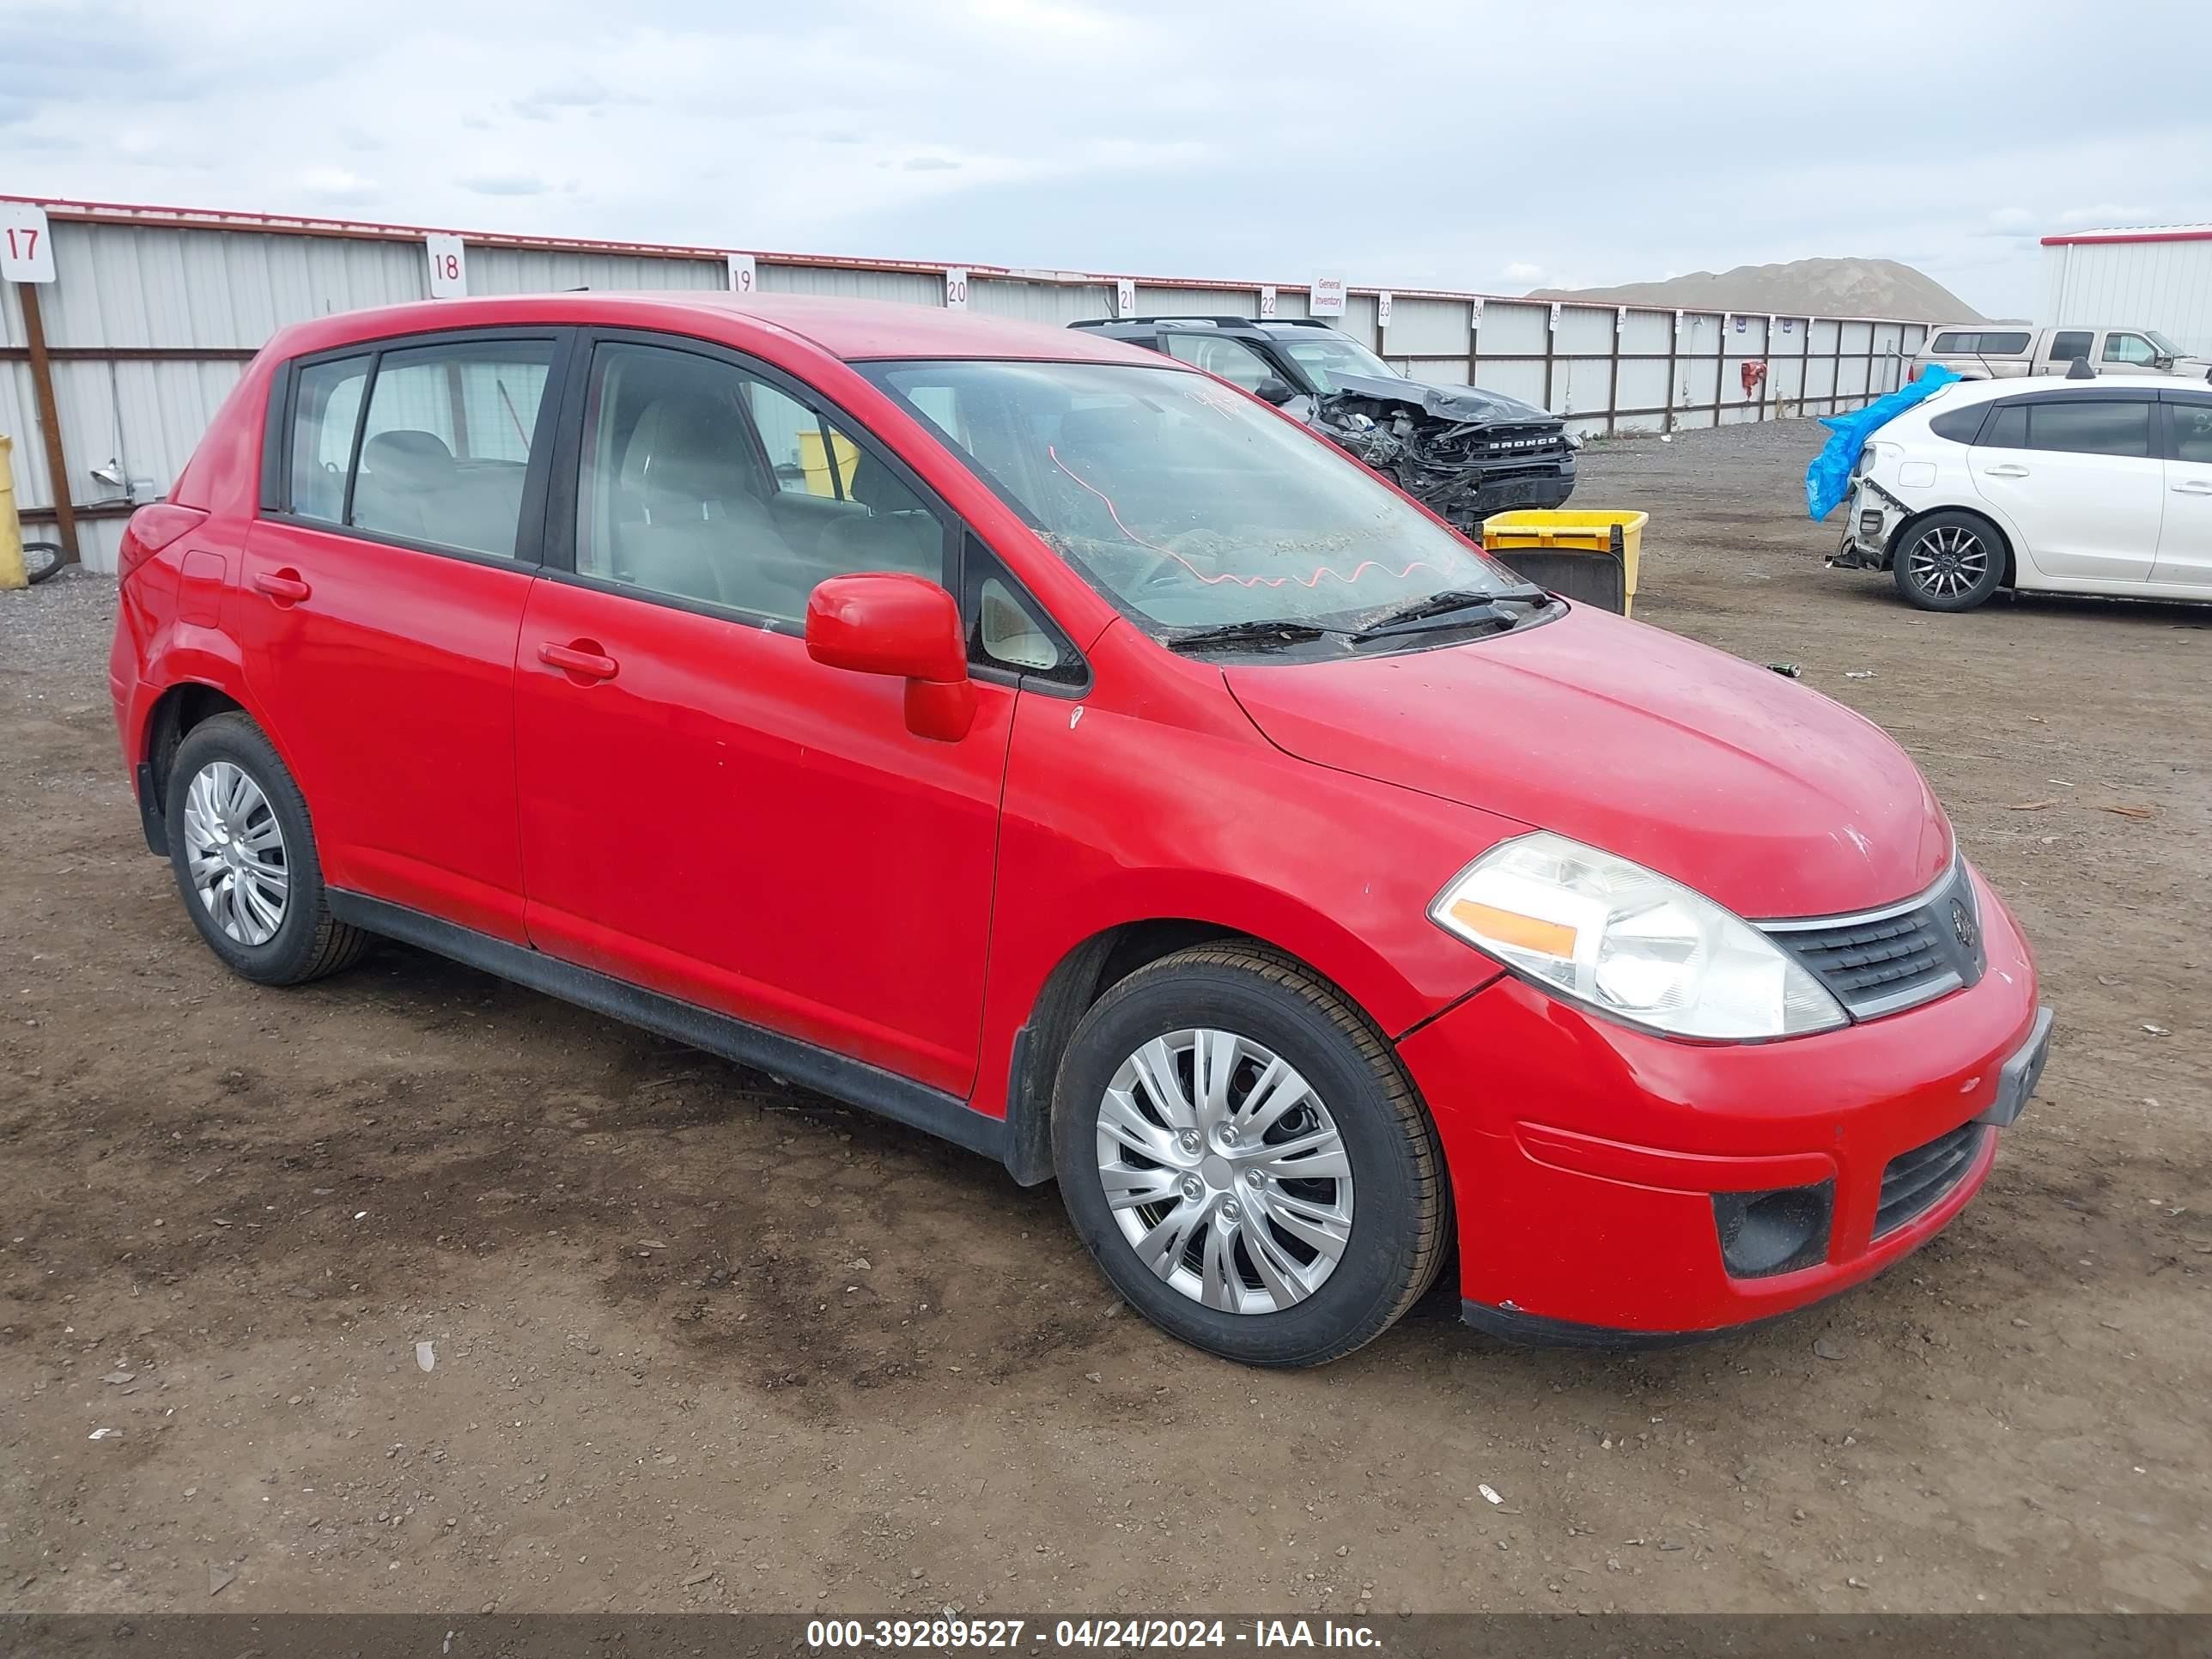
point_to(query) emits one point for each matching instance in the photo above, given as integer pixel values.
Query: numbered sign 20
(955, 289)
(449, 267)
(27, 252)
(744, 276)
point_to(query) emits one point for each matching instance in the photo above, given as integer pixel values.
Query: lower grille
(1917, 1181)
(1888, 960)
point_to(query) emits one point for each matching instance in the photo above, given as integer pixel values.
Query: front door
(2185, 540)
(2079, 477)
(378, 611)
(706, 810)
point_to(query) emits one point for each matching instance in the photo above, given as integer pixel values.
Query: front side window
(2069, 343)
(2129, 349)
(701, 481)
(2088, 426)
(1186, 505)
(2192, 429)
(326, 413)
(1232, 360)
(446, 441)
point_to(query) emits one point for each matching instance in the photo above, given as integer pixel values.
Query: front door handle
(282, 585)
(2007, 470)
(580, 659)
(2194, 487)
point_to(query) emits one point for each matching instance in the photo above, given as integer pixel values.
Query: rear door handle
(581, 660)
(2193, 488)
(282, 585)
(2007, 470)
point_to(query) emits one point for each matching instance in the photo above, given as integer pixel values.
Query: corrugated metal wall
(2164, 285)
(151, 320)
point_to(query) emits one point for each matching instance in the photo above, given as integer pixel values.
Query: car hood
(1446, 403)
(1755, 791)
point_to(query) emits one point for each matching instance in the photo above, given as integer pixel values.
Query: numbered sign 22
(744, 276)
(449, 267)
(955, 289)
(27, 252)
(1267, 305)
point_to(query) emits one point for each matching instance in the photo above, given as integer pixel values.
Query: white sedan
(2061, 486)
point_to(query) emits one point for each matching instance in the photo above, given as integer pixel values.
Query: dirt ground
(702, 1342)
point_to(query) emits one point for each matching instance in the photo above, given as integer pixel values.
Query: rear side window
(2068, 345)
(2008, 427)
(325, 417)
(1232, 360)
(2085, 425)
(446, 443)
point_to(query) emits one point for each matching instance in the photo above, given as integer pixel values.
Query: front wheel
(1245, 1161)
(42, 560)
(1950, 562)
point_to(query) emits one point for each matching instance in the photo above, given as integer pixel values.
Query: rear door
(382, 592)
(2079, 477)
(2184, 541)
(706, 810)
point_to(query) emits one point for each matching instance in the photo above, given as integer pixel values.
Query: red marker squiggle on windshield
(1314, 581)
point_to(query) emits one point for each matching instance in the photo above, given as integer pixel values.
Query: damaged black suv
(1464, 453)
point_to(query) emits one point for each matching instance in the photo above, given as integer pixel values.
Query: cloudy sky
(1491, 147)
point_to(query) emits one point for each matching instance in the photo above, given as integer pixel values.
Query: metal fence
(109, 373)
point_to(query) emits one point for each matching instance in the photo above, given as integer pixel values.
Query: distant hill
(1827, 288)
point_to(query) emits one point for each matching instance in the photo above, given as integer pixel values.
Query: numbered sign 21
(27, 253)
(1124, 297)
(449, 267)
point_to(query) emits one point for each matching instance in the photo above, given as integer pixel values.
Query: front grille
(1915, 1181)
(1893, 959)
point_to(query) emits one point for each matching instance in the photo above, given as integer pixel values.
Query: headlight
(1627, 940)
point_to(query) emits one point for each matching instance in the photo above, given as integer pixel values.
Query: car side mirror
(2162, 364)
(888, 623)
(1274, 390)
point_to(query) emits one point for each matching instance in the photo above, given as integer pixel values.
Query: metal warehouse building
(112, 365)
(2159, 278)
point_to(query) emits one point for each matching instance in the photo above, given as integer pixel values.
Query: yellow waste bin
(11, 527)
(1589, 554)
(815, 459)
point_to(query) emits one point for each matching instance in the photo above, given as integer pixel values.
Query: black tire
(1400, 1212)
(308, 942)
(41, 560)
(1950, 562)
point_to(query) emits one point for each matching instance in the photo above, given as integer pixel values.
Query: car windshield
(1325, 354)
(2165, 347)
(1187, 504)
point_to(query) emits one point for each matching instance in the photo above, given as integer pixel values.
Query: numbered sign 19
(744, 276)
(955, 289)
(27, 253)
(449, 267)
(1383, 309)
(1267, 305)
(1124, 297)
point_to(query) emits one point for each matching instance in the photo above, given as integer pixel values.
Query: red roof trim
(2090, 237)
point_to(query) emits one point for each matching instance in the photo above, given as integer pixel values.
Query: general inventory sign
(1328, 297)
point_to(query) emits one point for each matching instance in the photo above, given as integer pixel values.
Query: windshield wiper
(1436, 608)
(1259, 632)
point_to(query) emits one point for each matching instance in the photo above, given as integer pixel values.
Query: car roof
(854, 329)
(1980, 392)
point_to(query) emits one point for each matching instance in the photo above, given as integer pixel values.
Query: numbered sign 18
(955, 289)
(449, 267)
(1383, 309)
(1124, 297)
(27, 253)
(743, 274)
(1267, 305)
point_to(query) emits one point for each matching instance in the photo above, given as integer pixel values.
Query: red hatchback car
(1052, 747)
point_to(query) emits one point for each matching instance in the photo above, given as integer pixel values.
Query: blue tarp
(1828, 480)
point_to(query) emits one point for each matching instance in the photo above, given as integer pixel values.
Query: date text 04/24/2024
(831, 1634)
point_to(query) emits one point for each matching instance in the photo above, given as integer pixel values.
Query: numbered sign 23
(449, 267)
(27, 252)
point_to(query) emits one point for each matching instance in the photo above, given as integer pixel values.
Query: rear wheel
(1245, 1161)
(41, 560)
(1950, 562)
(244, 858)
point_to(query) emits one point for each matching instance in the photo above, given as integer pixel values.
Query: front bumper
(1585, 1155)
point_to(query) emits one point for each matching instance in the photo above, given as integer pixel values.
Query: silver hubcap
(234, 849)
(1948, 561)
(1224, 1170)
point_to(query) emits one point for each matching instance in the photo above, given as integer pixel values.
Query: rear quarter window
(1960, 426)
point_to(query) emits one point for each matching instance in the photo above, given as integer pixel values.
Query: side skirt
(851, 1081)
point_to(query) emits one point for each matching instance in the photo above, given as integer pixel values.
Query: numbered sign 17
(27, 252)
(449, 267)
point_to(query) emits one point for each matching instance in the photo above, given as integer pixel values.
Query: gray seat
(410, 486)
